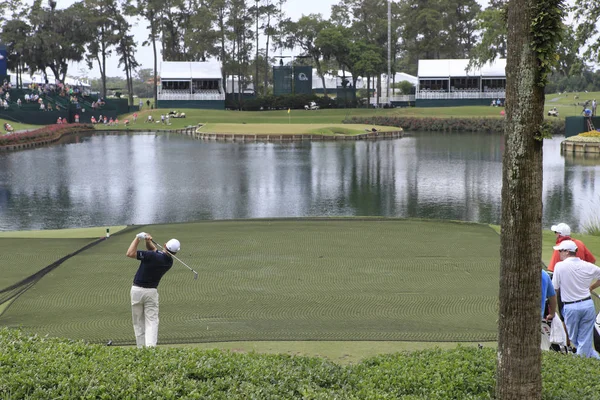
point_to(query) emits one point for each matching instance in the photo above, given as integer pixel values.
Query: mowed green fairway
(269, 280)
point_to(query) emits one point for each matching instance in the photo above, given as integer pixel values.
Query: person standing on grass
(548, 294)
(144, 294)
(563, 232)
(573, 280)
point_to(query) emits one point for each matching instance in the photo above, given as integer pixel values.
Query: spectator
(93, 120)
(141, 104)
(135, 116)
(573, 279)
(8, 127)
(19, 102)
(76, 118)
(548, 293)
(563, 232)
(148, 103)
(59, 120)
(42, 106)
(594, 105)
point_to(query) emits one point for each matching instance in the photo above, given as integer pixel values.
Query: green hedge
(35, 367)
(271, 102)
(555, 126)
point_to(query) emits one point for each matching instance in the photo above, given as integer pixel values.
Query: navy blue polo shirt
(154, 264)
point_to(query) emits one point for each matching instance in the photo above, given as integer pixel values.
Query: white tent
(334, 81)
(458, 68)
(231, 85)
(185, 70)
(38, 77)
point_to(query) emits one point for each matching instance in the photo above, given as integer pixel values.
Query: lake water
(104, 180)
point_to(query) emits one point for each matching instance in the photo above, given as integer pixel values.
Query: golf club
(175, 257)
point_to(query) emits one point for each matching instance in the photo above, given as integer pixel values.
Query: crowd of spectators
(105, 120)
(47, 96)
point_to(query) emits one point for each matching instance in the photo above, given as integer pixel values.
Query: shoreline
(224, 137)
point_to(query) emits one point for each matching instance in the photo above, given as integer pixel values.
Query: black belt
(143, 287)
(577, 301)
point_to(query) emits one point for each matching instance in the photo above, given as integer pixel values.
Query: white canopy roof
(334, 81)
(458, 68)
(39, 78)
(186, 70)
(401, 76)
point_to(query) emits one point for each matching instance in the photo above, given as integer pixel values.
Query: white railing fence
(429, 95)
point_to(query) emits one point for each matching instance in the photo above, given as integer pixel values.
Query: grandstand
(195, 84)
(452, 83)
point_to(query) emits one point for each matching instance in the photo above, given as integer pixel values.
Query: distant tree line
(353, 40)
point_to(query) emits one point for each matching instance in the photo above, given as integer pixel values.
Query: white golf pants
(144, 313)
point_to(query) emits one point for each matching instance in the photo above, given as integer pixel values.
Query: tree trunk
(368, 92)
(267, 57)
(155, 81)
(102, 65)
(519, 355)
(318, 65)
(256, 62)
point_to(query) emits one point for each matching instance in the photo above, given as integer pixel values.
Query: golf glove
(141, 235)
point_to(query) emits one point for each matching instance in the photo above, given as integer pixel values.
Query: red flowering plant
(45, 133)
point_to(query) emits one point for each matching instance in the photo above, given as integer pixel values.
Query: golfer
(573, 280)
(144, 294)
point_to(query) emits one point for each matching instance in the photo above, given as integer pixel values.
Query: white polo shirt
(574, 277)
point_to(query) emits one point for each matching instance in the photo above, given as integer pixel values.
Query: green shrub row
(35, 367)
(554, 126)
(284, 102)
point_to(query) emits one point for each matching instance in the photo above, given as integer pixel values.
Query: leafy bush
(271, 102)
(449, 124)
(48, 132)
(594, 134)
(36, 367)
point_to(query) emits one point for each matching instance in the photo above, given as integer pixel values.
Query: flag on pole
(289, 110)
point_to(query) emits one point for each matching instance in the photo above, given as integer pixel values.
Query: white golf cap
(568, 245)
(173, 245)
(562, 229)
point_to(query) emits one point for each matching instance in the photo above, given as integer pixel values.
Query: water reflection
(135, 179)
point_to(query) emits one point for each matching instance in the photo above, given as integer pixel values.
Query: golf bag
(597, 333)
(554, 336)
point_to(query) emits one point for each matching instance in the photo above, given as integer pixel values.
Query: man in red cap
(563, 232)
(573, 281)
